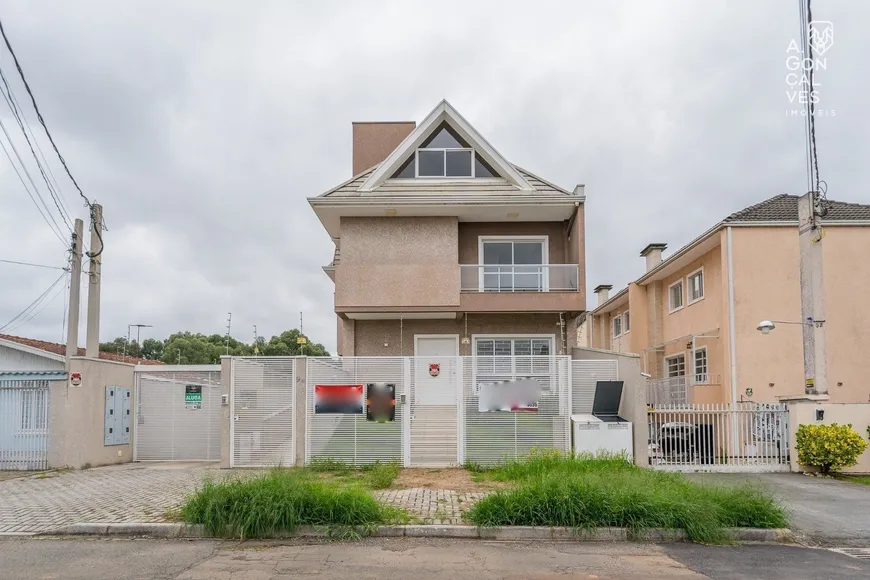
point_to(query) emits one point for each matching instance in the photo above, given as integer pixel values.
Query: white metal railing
(519, 277)
(262, 416)
(669, 391)
(741, 437)
(169, 427)
(24, 424)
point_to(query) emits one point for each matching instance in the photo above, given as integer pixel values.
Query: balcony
(519, 278)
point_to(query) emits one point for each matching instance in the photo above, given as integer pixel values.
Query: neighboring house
(443, 247)
(680, 317)
(27, 354)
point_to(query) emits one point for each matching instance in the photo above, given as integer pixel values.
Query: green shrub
(381, 475)
(279, 501)
(829, 447)
(587, 492)
(546, 461)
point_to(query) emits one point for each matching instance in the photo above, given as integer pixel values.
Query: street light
(765, 326)
(139, 328)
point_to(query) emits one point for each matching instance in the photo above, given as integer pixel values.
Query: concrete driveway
(132, 492)
(823, 511)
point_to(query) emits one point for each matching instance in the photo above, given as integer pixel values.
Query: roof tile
(784, 208)
(57, 348)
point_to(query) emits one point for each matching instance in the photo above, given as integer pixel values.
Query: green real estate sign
(193, 397)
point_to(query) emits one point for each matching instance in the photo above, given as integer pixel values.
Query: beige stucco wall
(77, 416)
(373, 142)
(856, 414)
(470, 232)
(395, 262)
(371, 335)
(767, 287)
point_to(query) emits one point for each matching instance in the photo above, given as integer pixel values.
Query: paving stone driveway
(431, 506)
(134, 492)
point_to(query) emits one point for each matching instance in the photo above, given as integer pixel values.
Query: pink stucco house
(444, 247)
(693, 317)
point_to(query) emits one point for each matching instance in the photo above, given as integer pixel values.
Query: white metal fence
(584, 375)
(741, 437)
(668, 391)
(349, 437)
(24, 424)
(262, 411)
(178, 413)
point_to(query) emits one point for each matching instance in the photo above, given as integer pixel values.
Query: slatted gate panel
(746, 437)
(178, 414)
(262, 411)
(584, 375)
(434, 412)
(490, 437)
(349, 437)
(24, 424)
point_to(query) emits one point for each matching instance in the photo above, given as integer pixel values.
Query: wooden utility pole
(810, 236)
(94, 278)
(75, 287)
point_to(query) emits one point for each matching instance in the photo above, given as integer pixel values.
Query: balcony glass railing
(519, 278)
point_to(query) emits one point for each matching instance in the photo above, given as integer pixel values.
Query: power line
(34, 265)
(39, 114)
(36, 313)
(56, 229)
(33, 304)
(21, 124)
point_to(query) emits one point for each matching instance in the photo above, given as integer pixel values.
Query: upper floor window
(696, 285)
(675, 295)
(444, 154)
(513, 264)
(617, 326)
(626, 321)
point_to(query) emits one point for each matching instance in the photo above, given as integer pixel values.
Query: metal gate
(746, 437)
(24, 423)
(348, 437)
(262, 409)
(178, 413)
(433, 422)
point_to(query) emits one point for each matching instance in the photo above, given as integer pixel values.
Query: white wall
(12, 359)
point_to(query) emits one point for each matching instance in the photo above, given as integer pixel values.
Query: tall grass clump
(585, 492)
(278, 502)
(381, 475)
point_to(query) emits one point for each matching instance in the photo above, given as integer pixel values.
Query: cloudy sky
(203, 126)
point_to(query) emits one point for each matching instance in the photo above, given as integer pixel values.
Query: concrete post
(93, 332)
(300, 406)
(75, 288)
(226, 416)
(812, 299)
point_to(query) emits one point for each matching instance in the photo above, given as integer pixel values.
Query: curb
(501, 533)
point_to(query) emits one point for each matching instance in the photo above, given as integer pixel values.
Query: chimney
(373, 142)
(603, 292)
(653, 254)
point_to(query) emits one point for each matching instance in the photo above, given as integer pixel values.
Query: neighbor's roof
(784, 207)
(60, 349)
(403, 187)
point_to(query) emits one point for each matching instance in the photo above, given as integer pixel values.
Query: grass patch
(585, 492)
(280, 501)
(862, 479)
(381, 475)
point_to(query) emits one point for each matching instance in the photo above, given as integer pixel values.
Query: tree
(152, 349)
(287, 344)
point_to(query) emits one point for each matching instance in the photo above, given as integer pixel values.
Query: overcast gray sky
(203, 126)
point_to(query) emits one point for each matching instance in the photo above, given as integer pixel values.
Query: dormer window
(444, 154)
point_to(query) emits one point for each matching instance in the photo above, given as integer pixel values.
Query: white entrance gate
(435, 391)
(178, 413)
(262, 411)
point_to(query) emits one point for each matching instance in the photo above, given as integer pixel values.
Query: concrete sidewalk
(823, 511)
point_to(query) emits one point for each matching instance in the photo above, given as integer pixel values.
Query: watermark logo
(821, 36)
(803, 71)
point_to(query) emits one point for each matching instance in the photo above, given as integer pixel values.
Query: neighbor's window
(696, 286)
(444, 154)
(675, 295)
(676, 366)
(701, 366)
(34, 409)
(617, 326)
(626, 321)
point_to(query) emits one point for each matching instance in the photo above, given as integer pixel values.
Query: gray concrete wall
(77, 416)
(633, 405)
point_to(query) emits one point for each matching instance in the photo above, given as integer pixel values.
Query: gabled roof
(784, 208)
(57, 351)
(445, 113)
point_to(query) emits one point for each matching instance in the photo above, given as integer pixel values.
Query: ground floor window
(506, 358)
(34, 409)
(701, 366)
(676, 366)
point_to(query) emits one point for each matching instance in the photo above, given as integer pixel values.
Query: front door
(434, 393)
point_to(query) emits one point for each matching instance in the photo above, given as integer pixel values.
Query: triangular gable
(445, 113)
